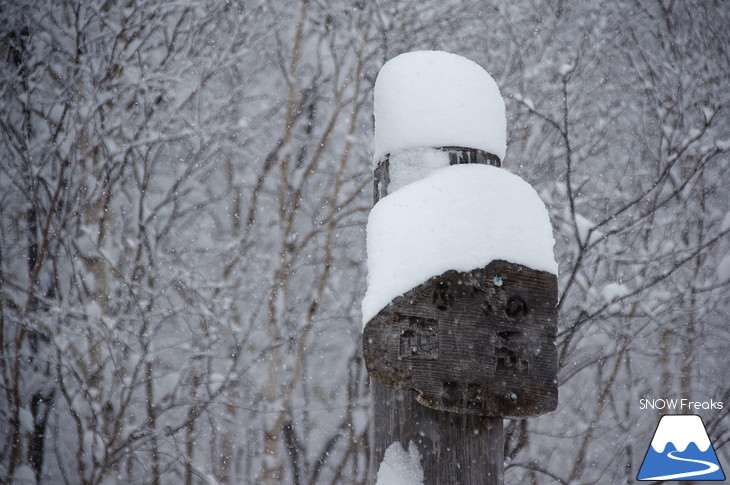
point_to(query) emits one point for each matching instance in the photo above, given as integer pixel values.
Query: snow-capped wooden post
(460, 313)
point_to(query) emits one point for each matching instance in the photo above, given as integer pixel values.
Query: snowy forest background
(184, 188)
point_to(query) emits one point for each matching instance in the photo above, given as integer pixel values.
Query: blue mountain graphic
(673, 462)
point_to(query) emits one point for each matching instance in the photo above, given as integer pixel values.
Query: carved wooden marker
(481, 342)
(452, 357)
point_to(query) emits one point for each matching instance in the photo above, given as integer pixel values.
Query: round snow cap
(437, 99)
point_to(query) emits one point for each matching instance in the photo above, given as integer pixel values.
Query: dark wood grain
(480, 343)
(455, 448)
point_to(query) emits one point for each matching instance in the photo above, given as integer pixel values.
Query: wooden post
(452, 357)
(455, 448)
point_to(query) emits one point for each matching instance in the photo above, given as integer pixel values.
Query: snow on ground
(400, 467)
(460, 217)
(436, 99)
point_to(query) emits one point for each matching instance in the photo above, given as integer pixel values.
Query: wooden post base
(455, 448)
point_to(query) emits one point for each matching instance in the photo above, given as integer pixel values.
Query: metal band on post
(457, 156)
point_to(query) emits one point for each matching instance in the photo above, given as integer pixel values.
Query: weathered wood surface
(455, 449)
(479, 343)
(457, 156)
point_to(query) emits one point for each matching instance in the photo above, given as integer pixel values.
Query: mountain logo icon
(681, 450)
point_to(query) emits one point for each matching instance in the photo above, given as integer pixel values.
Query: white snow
(725, 223)
(407, 166)
(586, 227)
(23, 474)
(565, 69)
(460, 217)
(165, 385)
(723, 145)
(723, 269)
(612, 291)
(400, 467)
(360, 420)
(26, 420)
(436, 99)
(526, 101)
(681, 430)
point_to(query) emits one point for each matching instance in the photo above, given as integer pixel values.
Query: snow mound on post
(459, 218)
(437, 99)
(400, 467)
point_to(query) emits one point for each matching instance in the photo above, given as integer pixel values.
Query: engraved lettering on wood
(511, 353)
(418, 338)
(481, 342)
